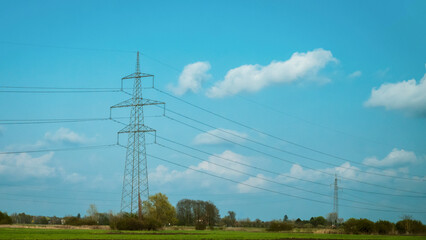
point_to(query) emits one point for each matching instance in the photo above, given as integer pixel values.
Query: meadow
(42, 233)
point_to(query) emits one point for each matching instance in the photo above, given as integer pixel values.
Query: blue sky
(344, 78)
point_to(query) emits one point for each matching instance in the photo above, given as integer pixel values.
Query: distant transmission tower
(336, 198)
(135, 180)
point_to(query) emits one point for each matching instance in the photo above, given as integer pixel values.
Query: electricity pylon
(336, 198)
(135, 180)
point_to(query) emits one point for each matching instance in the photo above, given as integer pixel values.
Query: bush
(200, 226)
(357, 226)
(384, 227)
(131, 223)
(5, 219)
(276, 226)
(409, 226)
(75, 221)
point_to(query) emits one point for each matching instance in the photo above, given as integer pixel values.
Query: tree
(184, 212)
(193, 212)
(285, 218)
(159, 208)
(5, 219)
(316, 221)
(409, 226)
(212, 214)
(384, 227)
(230, 219)
(21, 218)
(93, 213)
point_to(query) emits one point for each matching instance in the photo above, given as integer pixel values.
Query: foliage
(230, 220)
(358, 226)
(200, 226)
(93, 213)
(276, 226)
(22, 218)
(384, 227)
(191, 212)
(40, 220)
(75, 221)
(248, 223)
(409, 226)
(317, 221)
(159, 208)
(5, 219)
(132, 223)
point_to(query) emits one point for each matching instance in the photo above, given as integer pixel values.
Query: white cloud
(164, 176)
(219, 159)
(65, 135)
(406, 96)
(252, 78)
(24, 165)
(396, 157)
(355, 74)
(191, 78)
(74, 178)
(258, 181)
(208, 138)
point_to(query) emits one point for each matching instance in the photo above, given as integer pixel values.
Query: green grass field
(31, 233)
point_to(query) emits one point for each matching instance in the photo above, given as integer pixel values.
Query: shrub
(384, 227)
(75, 221)
(5, 219)
(200, 226)
(131, 223)
(128, 223)
(409, 226)
(357, 226)
(276, 226)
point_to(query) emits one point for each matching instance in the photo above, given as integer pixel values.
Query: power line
(65, 47)
(50, 197)
(60, 203)
(291, 153)
(61, 88)
(271, 108)
(280, 174)
(61, 149)
(267, 179)
(64, 120)
(273, 191)
(254, 129)
(288, 161)
(60, 91)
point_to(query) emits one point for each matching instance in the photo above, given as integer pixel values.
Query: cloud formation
(406, 96)
(191, 78)
(24, 165)
(394, 158)
(258, 181)
(355, 74)
(208, 138)
(252, 78)
(65, 135)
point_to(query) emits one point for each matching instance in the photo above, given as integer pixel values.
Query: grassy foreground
(32, 233)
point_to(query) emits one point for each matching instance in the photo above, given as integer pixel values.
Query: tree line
(157, 212)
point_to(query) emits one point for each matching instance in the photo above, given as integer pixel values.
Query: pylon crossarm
(130, 103)
(137, 75)
(137, 128)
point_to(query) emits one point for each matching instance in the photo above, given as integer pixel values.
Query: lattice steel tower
(135, 180)
(336, 198)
